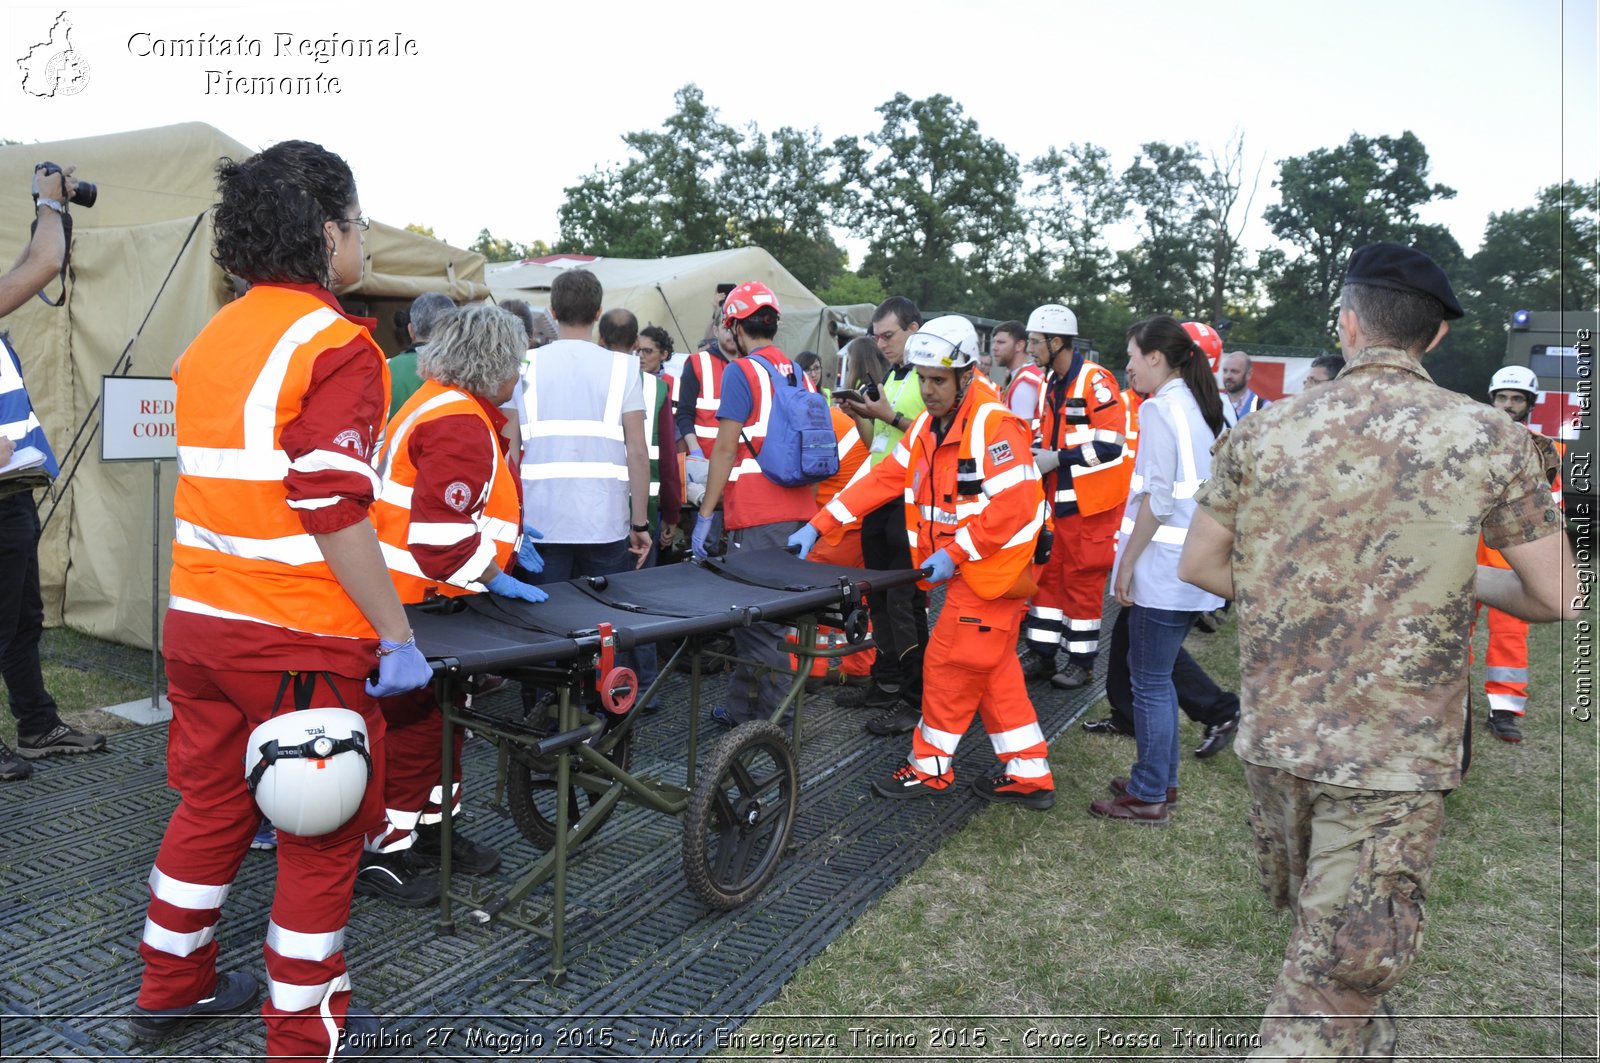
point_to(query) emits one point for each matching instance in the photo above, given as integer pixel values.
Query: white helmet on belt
(1053, 319)
(309, 769)
(948, 342)
(1515, 378)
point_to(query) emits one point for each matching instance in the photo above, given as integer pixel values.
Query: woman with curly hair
(277, 583)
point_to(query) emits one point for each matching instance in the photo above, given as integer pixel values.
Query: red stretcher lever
(617, 686)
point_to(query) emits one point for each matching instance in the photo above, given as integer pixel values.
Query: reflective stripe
(1028, 768)
(180, 894)
(296, 945)
(1028, 531)
(400, 560)
(938, 767)
(286, 996)
(433, 534)
(333, 461)
(937, 515)
(1044, 612)
(574, 470)
(260, 413)
(173, 943)
(943, 741)
(1512, 703)
(1017, 739)
(1082, 647)
(1170, 534)
(232, 464)
(838, 511)
(287, 550)
(563, 429)
(1505, 675)
(1081, 625)
(1022, 473)
(1042, 635)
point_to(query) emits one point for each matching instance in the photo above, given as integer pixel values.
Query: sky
(494, 108)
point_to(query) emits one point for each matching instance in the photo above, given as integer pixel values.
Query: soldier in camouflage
(1344, 523)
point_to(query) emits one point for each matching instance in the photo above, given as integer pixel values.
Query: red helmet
(746, 300)
(1209, 341)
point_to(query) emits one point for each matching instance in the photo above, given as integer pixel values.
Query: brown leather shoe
(1119, 786)
(1131, 810)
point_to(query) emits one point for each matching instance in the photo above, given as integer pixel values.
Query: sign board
(138, 418)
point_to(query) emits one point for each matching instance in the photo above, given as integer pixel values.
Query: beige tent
(680, 293)
(142, 284)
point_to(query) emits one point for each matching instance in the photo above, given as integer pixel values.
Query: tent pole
(155, 586)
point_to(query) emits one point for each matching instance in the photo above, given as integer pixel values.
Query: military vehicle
(1558, 345)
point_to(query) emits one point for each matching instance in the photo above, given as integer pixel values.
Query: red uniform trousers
(846, 552)
(1505, 663)
(971, 662)
(213, 713)
(1072, 587)
(411, 782)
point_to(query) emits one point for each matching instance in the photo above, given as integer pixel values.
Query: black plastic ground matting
(652, 972)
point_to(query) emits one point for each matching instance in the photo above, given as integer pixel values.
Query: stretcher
(564, 767)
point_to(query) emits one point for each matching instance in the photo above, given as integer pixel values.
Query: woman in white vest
(1178, 423)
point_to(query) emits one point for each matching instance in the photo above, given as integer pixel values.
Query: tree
(496, 249)
(1162, 273)
(1222, 260)
(935, 199)
(420, 230)
(1335, 200)
(848, 289)
(1075, 198)
(778, 197)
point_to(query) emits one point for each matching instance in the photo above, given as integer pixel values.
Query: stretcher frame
(579, 749)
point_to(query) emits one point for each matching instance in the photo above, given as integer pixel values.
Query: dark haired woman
(1177, 425)
(277, 582)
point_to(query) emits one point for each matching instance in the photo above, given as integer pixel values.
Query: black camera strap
(66, 257)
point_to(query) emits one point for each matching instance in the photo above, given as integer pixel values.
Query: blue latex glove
(702, 532)
(941, 567)
(508, 586)
(527, 556)
(401, 668)
(805, 539)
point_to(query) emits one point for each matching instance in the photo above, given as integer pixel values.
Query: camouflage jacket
(1355, 510)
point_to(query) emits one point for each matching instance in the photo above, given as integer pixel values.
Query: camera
(84, 195)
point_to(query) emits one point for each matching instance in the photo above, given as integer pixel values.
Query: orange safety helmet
(746, 300)
(1207, 339)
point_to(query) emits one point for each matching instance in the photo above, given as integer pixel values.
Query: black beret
(1405, 269)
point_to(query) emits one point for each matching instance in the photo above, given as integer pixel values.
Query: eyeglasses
(361, 221)
(885, 337)
(646, 350)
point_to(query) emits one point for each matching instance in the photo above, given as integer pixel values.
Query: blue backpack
(800, 447)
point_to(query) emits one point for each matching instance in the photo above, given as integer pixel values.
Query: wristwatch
(639, 527)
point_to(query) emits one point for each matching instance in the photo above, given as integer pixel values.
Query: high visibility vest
(497, 516)
(708, 368)
(556, 448)
(1031, 374)
(656, 395)
(1188, 481)
(978, 493)
(17, 419)
(1092, 411)
(240, 551)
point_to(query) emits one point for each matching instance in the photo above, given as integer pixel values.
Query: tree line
(956, 221)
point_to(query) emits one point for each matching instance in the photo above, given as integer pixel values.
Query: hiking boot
(1503, 725)
(234, 992)
(393, 878)
(361, 1033)
(1219, 736)
(866, 697)
(266, 837)
(1130, 809)
(1037, 665)
(904, 785)
(902, 719)
(467, 857)
(1107, 726)
(1119, 786)
(60, 739)
(12, 767)
(1073, 676)
(1005, 789)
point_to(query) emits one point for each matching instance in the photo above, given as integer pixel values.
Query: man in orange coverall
(975, 512)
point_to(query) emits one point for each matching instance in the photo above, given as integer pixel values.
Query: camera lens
(85, 194)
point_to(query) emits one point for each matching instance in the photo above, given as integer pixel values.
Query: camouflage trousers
(1353, 865)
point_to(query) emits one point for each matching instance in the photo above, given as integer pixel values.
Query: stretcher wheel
(531, 790)
(857, 626)
(740, 815)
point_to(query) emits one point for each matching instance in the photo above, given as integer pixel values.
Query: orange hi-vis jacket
(493, 503)
(240, 551)
(1031, 374)
(852, 465)
(708, 370)
(977, 494)
(1089, 410)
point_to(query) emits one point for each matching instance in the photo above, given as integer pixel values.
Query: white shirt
(1174, 460)
(570, 403)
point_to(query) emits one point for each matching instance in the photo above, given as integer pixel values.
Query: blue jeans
(1154, 638)
(564, 561)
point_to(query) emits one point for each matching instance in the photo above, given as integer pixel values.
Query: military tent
(141, 285)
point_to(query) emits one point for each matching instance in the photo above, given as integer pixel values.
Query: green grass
(1122, 933)
(84, 675)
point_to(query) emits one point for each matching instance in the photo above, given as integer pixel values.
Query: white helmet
(1515, 378)
(1053, 319)
(309, 769)
(948, 342)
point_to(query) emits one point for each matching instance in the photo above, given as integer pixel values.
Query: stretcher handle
(567, 739)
